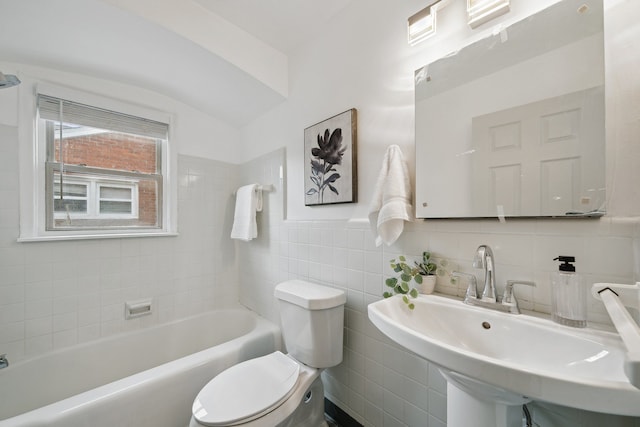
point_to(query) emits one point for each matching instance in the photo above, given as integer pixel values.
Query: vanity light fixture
(481, 11)
(422, 25)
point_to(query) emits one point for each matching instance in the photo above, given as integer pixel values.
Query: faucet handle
(472, 288)
(509, 298)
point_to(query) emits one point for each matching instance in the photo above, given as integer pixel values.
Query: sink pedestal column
(473, 403)
(465, 410)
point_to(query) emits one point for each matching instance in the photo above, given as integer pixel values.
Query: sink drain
(486, 325)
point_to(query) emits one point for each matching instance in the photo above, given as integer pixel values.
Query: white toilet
(282, 390)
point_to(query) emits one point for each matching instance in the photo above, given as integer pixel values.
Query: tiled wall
(59, 293)
(380, 384)
(56, 294)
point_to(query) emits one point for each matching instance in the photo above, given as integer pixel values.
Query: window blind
(50, 108)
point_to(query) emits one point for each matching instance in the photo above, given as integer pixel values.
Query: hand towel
(391, 204)
(248, 202)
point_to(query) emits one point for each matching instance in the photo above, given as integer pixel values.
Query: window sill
(58, 238)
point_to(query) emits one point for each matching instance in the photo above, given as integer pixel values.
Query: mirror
(513, 125)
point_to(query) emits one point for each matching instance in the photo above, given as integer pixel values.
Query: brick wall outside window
(118, 151)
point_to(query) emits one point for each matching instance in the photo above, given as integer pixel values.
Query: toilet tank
(312, 320)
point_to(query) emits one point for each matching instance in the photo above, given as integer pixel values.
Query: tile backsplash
(56, 294)
(379, 383)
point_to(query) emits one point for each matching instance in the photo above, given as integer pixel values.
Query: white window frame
(33, 218)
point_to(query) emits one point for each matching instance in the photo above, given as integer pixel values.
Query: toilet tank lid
(310, 295)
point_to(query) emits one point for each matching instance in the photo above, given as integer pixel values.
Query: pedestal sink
(494, 362)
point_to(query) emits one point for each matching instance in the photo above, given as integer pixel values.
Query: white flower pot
(428, 285)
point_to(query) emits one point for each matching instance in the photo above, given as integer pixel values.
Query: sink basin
(533, 358)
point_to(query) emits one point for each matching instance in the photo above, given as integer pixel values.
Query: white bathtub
(147, 378)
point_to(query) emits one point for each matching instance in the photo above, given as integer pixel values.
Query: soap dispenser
(568, 295)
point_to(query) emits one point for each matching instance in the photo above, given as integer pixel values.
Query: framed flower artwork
(330, 173)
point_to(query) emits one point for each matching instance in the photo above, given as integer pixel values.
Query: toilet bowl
(281, 390)
(262, 392)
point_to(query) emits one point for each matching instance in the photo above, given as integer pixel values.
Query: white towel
(391, 203)
(248, 202)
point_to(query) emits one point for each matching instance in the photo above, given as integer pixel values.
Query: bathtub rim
(170, 369)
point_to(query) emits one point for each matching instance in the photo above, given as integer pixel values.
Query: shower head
(8, 80)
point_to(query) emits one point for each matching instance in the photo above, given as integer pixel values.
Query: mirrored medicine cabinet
(513, 125)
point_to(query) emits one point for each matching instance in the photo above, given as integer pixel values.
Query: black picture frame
(330, 169)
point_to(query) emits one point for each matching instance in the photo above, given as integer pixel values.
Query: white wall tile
(438, 405)
(379, 382)
(355, 280)
(65, 338)
(12, 294)
(12, 275)
(38, 327)
(414, 415)
(73, 292)
(393, 405)
(373, 414)
(373, 284)
(12, 331)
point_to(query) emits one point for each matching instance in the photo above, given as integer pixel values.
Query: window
(103, 168)
(100, 169)
(94, 198)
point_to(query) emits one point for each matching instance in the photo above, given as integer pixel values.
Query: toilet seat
(247, 390)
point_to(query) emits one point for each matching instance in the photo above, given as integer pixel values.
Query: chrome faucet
(484, 259)
(509, 298)
(4, 362)
(508, 302)
(472, 287)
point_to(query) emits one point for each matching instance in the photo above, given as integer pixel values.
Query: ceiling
(283, 24)
(150, 44)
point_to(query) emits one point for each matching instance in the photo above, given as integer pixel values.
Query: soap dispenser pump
(569, 296)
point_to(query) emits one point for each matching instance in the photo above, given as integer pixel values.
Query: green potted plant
(422, 273)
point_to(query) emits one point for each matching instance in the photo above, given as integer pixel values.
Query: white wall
(362, 61)
(198, 134)
(56, 294)
(622, 57)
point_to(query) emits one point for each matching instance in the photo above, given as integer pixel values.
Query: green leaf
(398, 290)
(405, 277)
(387, 294)
(418, 279)
(411, 306)
(391, 282)
(405, 287)
(414, 293)
(406, 269)
(402, 258)
(405, 299)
